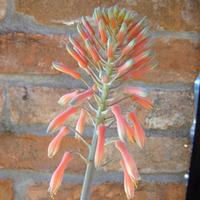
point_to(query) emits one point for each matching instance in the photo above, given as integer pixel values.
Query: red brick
(160, 155)
(112, 191)
(3, 9)
(169, 15)
(30, 152)
(1, 103)
(38, 105)
(6, 190)
(32, 54)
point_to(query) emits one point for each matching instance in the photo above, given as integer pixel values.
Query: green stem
(90, 171)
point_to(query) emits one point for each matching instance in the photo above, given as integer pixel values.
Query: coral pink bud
(81, 123)
(112, 18)
(67, 97)
(121, 15)
(145, 102)
(61, 118)
(138, 91)
(109, 51)
(82, 32)
(122, 32)
(135, 29)
(102, 31)
(80, 59)
(129, 185)
(100, 145)
(128, 161)
(139, 134)
(92, 50)
(128, 47)
(55, 143)
(87, 26)
(130, 133)
(62, 68)
(82, 96)
(121, 123)
(76, 44)
(125, 67)
(58, 174)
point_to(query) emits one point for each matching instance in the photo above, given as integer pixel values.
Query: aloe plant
(113, 48)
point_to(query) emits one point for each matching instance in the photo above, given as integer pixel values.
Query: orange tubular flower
(121, 123)
(61, 118)
(125, 67)
(145, 102)
(102, 31)
(80, 59)
(130, 133)
(81, 123)
(82, 32)
(67, 97)
(100, 145)
(135, 91)
(76, 44)
(129, 185)
(139, 134)
(82, 96)
(87, 26)
(58, 174)
(128, 161)
(122, 32)
(92, 50)
(55, 143)
(62, 68)
(110, 47)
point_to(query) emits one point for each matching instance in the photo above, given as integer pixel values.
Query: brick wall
(31, 37)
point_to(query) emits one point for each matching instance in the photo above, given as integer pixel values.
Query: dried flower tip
(62, 68)
(139, 134)
(138, 91)
(82, 96)
(129, 163)
(116, 11)
(58, 174)
(61, 118)
(100, 145)
(76, 44)
(102, 31)
(92, 50)
(77, 57)
(80, 126)
(122, 32)
(67, 97)
(55, 143)
(87, 26)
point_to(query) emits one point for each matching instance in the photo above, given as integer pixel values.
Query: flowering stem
(86, 190)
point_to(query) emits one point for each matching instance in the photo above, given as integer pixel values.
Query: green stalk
(90, 170)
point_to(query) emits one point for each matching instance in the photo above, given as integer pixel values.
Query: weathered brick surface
(169, 15)
(33, 54)
(110, 191)
(1, 103)
(6, 190)
(160, 154)
(30, 152)
(3, 8)
(172, 109)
